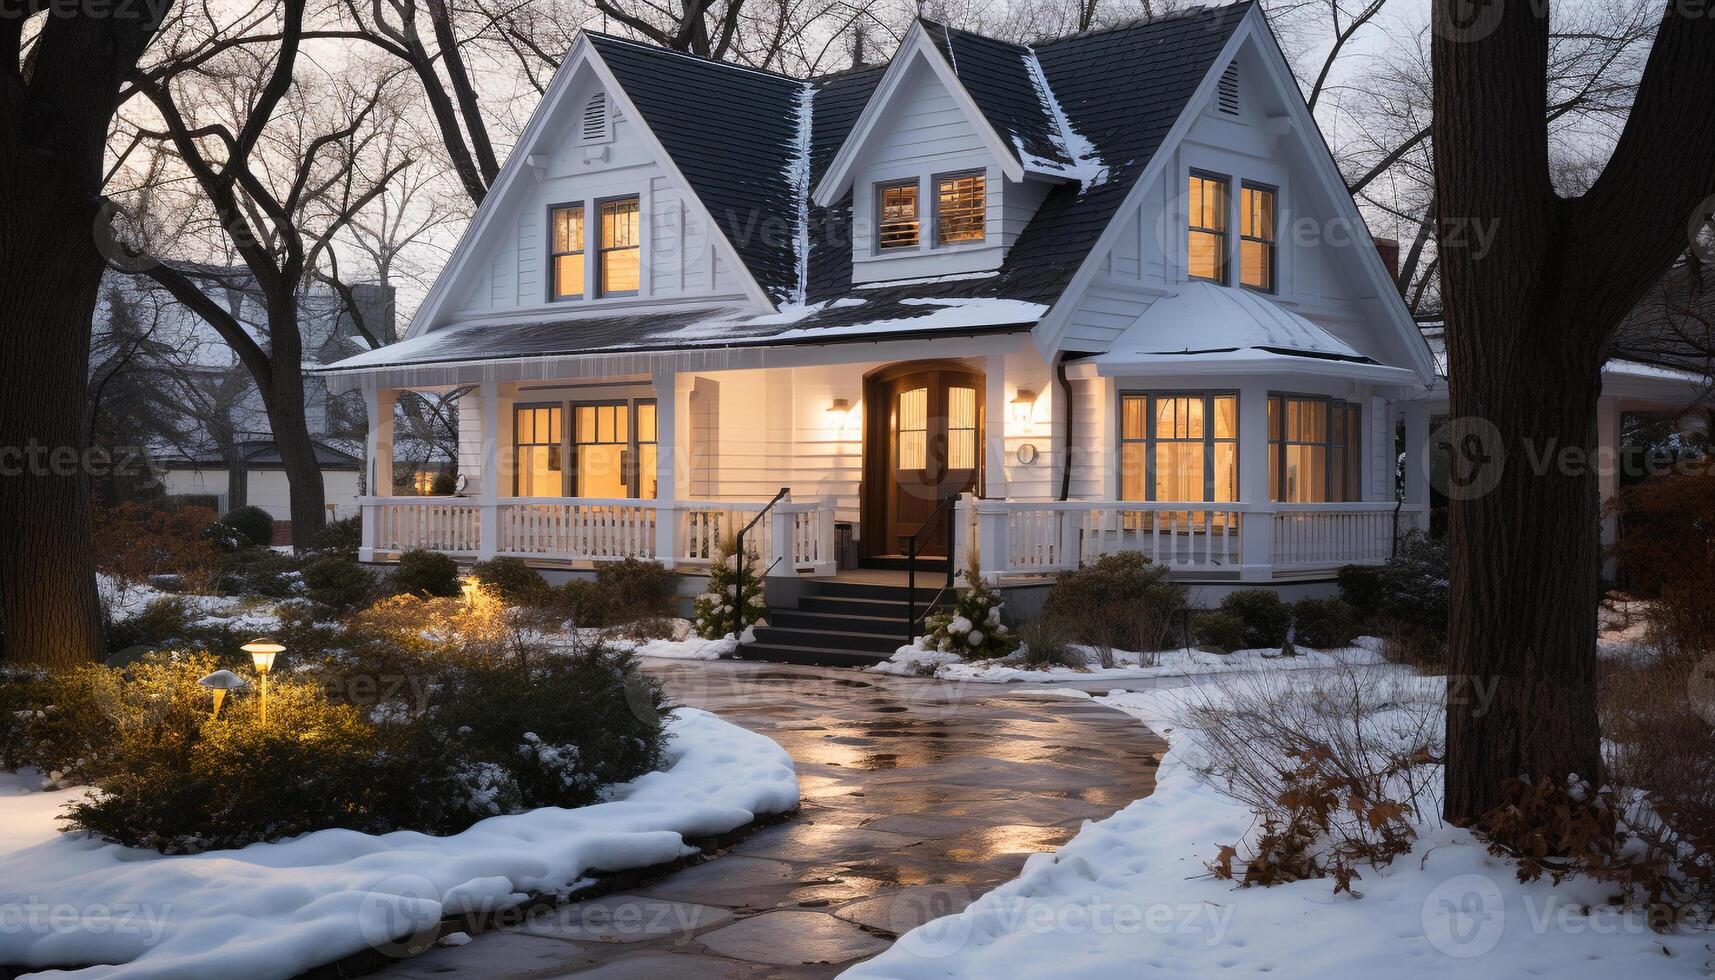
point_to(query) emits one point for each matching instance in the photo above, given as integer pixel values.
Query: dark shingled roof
(733, 133)
(995, 74)
(1674, 324)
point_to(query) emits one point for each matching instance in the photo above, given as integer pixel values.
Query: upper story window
(1313, 452)
(620, 257)
(961, 210)
(1206, 238)
(566, 227)
(1256, 237)
(1181, 446)
(896, 206)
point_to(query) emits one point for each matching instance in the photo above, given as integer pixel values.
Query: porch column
(1256, 527)
(488, 491)
(996, 398)
(666, 467)
(1416, 415)
(1607, 463)
(379, 453)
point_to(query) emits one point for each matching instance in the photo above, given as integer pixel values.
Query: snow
(950, 313)
(798, 174)
(275, 910)
(1130, 896)
(127, 601)
(1087, 167)
(689, 648)
(917, 660)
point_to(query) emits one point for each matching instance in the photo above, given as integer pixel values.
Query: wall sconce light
(262, 653)
(1022, 404)
(839, 409)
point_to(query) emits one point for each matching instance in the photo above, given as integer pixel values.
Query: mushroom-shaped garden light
(220, 682)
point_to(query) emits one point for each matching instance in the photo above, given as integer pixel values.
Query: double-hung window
(1256, 237)
(566, 234)
(536, 431)
(1206, 236)
(620, 259)
(961, 208)
(896, 208)
(1313, 449)
(1179, 446)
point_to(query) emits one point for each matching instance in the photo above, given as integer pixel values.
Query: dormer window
(595, 128)
(620, 268)
(896, 203)
(566, 228)
(1206, 237)
(1256, 237)
(961, 210)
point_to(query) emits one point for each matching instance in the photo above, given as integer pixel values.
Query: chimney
(1388, 249)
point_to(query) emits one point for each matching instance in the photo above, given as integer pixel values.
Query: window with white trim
(896, 211)
(961, 208)
(1313, 449)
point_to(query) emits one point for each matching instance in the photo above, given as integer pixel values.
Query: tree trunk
(47, 575)
(284, 399)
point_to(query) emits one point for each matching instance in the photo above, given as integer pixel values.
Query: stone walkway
(918, 796)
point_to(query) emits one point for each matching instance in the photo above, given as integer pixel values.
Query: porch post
(995, 392)
(1416, 414)
(1256, 527)
(488, 491)
(992, 548)
(666, 467)
(379, 450)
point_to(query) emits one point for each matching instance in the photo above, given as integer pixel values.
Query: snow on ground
(919, 661)
(689, 648)
(276, 910)
(1130, 896)
(127, 601)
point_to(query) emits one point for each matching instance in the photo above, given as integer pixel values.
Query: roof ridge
(712, 62)
(1133, 22)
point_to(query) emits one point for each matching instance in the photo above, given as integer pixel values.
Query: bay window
(1179, 446)
(1313, 449)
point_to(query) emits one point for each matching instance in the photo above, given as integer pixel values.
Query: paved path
(918, 796)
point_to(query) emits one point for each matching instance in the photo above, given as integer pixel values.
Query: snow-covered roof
(1227, 324)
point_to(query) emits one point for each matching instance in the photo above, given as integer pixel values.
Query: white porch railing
(589, 529)
(1014, 538)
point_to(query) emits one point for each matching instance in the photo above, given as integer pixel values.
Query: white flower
(975, 639)
(959, 625)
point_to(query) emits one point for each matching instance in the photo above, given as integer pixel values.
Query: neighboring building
(211, 440)
(1109, 291)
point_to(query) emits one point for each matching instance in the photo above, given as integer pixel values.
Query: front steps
(840, 623)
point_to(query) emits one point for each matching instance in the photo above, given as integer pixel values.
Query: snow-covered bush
(712, 611)
(973, 627)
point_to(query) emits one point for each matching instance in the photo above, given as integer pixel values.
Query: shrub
(1405, 600)
(583, 603)
(1119, 600)
(162, 622)
(424, 572)
(513, 581)
(255, 524)
(338, 583)
(134, 543)
(973, 628)
(1323, 623)
(23, 696)
(712, 611)
(1265, 615)
(341, 537)
(637, 588)
(1221, 631)
(1666, 551)
(259, 572)
(1045, 643)
(1361, 587)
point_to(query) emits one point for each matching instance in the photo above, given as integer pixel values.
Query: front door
(925, 443)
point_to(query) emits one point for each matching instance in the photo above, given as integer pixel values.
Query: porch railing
(799, 536)
(1251, 541)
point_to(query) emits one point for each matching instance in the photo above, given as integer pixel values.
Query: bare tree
(1530, 321)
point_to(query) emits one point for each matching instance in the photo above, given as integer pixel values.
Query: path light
(471, 589)
(220, 682)
(262, 653)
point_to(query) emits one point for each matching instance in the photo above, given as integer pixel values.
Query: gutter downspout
(1066, 456)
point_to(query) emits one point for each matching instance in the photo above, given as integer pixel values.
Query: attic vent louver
(1227, 92)
(595, 124)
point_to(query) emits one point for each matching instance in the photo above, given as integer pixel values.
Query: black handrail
(743, 566)
(911, 567)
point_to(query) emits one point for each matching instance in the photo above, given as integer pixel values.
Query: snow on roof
(1202, 317)
(1086, 166)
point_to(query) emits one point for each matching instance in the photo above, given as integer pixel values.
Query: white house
(1108, 292)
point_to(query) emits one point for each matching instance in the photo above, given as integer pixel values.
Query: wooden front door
(923, 443)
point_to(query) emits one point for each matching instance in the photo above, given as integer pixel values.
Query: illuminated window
(1179, 447)
(1256, 237)
(1313, 449)
(897, 206)
(620, 253)
(961, 428)
(960, 209)
(566, 227)
(614, 449)
(912, 426)
(1206, 240)
(536, 431)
